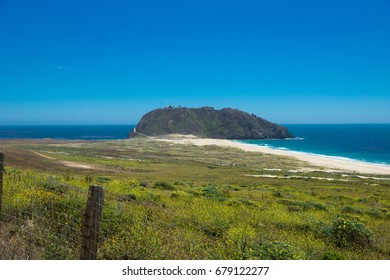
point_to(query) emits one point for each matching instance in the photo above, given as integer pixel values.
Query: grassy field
(165, 201)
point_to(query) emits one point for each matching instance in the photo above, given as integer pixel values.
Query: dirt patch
(77, 165)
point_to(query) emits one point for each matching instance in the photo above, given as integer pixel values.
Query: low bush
(351, 210)
(297, 206)
(279, 250)
(180, 193)
(331, 255)
(54, 184)
(164, 185)
(377, 213)
(215, 193)
(347, 232)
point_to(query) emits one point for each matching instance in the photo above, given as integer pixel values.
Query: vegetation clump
(164, 185)
(180, 193)
(215, 193)
(296, 206)
(331, 255)
(278, 250)
(347, 232)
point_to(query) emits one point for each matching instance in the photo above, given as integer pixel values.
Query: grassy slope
(167, 201)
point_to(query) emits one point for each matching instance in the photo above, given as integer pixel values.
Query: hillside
(208, 123)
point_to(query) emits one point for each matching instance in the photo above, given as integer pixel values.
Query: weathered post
(93, 218)
(1, 180)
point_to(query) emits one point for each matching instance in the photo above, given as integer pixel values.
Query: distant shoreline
(323, 162)
(334, 164)
(367, 143)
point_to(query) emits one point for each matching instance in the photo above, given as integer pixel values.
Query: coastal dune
(328, 162)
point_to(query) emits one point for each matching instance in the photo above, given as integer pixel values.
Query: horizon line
(122, 124)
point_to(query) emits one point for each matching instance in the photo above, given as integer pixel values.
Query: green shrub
(214, 193)
(130, 196)
(248, 202)
(297, 206)
(346, 232)
(102, 180)
(315, 205)
(351, 210)
(164, 185)
(88, 179)
(331, 255)
(377, 213)
(179, 183)
(180, 193)
(277, 193)
(54, 184)
(278, 250)
(214, 228)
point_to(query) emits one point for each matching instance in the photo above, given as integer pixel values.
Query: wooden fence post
(93, 217)
(1, 180)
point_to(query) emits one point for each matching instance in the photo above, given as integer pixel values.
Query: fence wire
(43, 217)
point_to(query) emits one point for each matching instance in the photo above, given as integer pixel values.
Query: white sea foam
(384, 164)
(295, 138)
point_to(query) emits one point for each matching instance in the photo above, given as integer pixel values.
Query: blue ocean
(65, 132)
(365, 142)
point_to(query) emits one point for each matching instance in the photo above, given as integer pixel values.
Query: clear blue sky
(109, 62)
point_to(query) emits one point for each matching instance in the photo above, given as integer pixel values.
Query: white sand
(342, 164)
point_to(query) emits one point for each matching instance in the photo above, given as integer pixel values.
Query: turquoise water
(365, 142)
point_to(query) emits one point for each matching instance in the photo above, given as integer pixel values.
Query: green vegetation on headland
(166, 201)
(207, 122)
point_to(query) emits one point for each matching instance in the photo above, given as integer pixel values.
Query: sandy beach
(331, 163)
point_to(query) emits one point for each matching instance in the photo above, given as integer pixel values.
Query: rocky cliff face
(207, 122)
